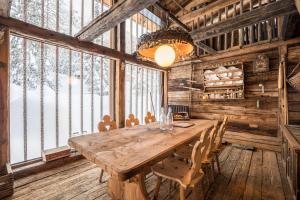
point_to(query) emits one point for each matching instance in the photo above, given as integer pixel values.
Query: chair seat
(174, 169)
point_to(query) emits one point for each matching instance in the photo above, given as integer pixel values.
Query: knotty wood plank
(271, 182)
(52, 180)
(239, 177)
(219, 187)
(254, 181)
(5, 7)
(118, 13)
(126, 152)
(48, 173)
(271, 10)
(4, 99)
(285, 184)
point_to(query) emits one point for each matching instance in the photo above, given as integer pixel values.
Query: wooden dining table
(127, 154)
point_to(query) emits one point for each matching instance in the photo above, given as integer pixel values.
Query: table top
(128, 151)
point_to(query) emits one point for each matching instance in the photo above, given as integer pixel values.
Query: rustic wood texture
(243, 114)
(78, 180)
(5, 7)
(69, 41)
(125, 152)
(271, 10)
(118, 13)
(4, 100)
(55, 154)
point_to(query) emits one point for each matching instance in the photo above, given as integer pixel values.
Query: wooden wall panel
(243, 114)
(293, 95)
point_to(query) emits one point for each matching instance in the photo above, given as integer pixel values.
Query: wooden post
(120, 79)
(165, 90)
(4, 97)
(241, 30)
(283, 99)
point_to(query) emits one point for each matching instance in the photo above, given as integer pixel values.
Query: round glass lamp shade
(165, 56)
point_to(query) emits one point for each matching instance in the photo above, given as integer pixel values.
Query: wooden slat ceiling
(180, 7)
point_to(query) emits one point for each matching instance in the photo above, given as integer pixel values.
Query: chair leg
(101, 175)
(182, 193)
(218, 163)
(157, 188)
(170, 188)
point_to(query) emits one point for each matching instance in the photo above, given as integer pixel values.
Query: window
(64, 16)
(55, 92)
(137, 25)
(143, 91)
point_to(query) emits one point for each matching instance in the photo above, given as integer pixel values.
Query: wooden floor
(245, 175)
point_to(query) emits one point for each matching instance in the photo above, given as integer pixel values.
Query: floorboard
(247, 175)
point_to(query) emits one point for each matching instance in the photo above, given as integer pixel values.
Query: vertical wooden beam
(251, 30)
(120, 79)
(283, 99)
(165, 90)
(241, 30)
(4, 98)
(232, 33)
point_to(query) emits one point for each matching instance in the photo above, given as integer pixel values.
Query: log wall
(243, 114)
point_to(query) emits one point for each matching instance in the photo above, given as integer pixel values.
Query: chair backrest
(132, 121)
(106, 124)
(149, 118)
(221, 133)
(213, 135)
(198, 155)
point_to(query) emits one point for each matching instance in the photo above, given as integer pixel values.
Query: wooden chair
(182, 173)
(149, 118)
(186, 152)
(132, 121)
(105, 125)
(217, 147)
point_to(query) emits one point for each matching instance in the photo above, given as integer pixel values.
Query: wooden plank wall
(241, 112)
(293, 95)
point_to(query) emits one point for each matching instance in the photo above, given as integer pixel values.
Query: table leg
(132, 189)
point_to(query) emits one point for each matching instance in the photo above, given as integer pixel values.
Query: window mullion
(25, 97)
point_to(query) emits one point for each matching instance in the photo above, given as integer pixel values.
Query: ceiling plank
(268, 11)
(32, 31)
(118, 13)
(184, 27)
(5, 7)
(212, 7)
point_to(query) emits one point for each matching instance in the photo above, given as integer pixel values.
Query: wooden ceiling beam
(5, 7)
(32, 31)
(212, 7)
(268, 11)
(118, 13)
(184, 27)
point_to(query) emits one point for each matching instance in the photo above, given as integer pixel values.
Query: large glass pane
(34, 12)
(50, 14)
(105, 82)
(75, 83)
(127, 90)
(88, 12)
(97, 75)
(63, 95)
(134, 89)
(64, 16)
(49, 96)
(76, 16)
(16, 99)
(33, 67)
(87, 91)
(17, 9)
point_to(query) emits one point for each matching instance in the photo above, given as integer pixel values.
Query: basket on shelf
(6, 181)
(294, 77)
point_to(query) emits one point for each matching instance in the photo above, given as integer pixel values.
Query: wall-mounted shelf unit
(224, 82)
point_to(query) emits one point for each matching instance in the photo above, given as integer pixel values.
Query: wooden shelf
(225, 90)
